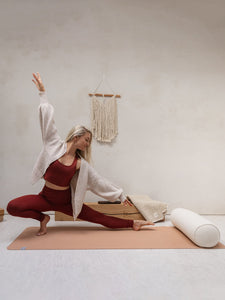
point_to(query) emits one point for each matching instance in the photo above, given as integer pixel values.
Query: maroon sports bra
(59, 174)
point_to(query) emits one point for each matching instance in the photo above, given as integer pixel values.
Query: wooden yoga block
(1, 214)
(114, 210)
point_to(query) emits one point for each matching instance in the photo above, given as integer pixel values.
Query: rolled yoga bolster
(198, 229)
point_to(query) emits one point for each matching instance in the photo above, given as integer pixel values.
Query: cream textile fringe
(104, 119)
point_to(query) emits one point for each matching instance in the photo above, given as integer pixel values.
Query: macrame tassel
(104, 119)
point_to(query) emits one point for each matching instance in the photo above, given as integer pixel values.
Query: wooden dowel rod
(105, 95)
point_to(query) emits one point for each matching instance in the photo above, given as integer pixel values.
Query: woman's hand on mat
(127, 202)
(38, 82)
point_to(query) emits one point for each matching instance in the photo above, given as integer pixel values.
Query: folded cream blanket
(151, 210)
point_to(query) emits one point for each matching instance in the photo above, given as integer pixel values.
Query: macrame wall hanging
(104, 118)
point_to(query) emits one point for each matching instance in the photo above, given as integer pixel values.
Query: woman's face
(83, 141)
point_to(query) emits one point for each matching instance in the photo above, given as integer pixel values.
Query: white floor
(108, 274)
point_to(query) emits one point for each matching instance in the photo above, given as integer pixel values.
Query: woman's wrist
(122, 197)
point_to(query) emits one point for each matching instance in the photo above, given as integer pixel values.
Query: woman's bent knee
(12, 208)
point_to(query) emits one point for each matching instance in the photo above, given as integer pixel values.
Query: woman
(68, 175)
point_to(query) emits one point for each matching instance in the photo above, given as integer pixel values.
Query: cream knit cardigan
(84, 179)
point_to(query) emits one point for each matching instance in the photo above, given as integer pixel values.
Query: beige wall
(167, 60)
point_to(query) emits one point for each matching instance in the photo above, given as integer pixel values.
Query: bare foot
(139, 223)
(43, 226)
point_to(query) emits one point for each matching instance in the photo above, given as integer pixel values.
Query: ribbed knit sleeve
(46, 118)
(103, 187)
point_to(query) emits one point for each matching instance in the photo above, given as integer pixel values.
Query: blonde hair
(80, 130)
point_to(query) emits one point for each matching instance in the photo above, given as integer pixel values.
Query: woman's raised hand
(127, 202)
(38, 82)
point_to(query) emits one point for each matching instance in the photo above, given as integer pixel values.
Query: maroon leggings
(32, 206)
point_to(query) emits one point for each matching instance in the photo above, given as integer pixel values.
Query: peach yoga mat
(103, 238)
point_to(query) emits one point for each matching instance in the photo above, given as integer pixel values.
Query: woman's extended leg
(91, 215)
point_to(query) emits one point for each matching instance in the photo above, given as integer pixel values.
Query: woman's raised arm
(46, 114)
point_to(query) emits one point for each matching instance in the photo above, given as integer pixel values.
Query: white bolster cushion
(201, 231)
